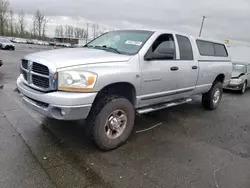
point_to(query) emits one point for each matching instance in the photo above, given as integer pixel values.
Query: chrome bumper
(59, 105)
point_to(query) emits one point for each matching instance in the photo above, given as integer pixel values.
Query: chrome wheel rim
(116, 124)
(216, 97)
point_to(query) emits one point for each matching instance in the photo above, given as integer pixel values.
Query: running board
(163, 106)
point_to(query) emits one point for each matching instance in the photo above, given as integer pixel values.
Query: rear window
(220, 50)
(211, 49)
(206, 48)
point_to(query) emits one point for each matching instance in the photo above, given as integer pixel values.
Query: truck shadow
(75, 133)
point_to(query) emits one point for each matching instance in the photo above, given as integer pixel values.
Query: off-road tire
(207, 98)
(99, 113)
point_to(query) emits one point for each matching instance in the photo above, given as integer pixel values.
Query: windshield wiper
(104, 47)
(111, 48)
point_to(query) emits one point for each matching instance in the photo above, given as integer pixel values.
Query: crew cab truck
(123, 73)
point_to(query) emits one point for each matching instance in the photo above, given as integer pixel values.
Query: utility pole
(202, 23)
(87, 33)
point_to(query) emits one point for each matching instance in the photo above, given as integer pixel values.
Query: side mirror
(161, 54)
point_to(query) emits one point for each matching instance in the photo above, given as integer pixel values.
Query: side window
(186, 51)
(164, 45)
(220, 50)
(205, 48)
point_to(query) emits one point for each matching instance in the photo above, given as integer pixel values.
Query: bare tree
(66, 31)
(4, 15)
(76, 32)
(71, 31)
(40, 24)
(61, 33)
(22, 23)
(16, 29)
(45, 22)
(95, 30)
(57, 32)
(82, 33)
(11, 23)
(34, 31)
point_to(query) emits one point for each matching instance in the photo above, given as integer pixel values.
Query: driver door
(159, 76)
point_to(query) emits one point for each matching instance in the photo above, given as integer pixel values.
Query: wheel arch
(220, 78)
(124, 89)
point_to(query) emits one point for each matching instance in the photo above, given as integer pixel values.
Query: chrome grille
(37, 76)
(40, 81)
(41, 69)
(25, 75)
(25, 64)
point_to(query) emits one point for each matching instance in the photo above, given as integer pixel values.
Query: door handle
(194, 67)
(174, 68)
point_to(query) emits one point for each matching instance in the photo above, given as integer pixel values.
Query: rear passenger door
(188, 67)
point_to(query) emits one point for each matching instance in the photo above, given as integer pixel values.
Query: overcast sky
(225, 18)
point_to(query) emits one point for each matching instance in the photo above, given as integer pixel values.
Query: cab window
(185, 47)
(164, 45)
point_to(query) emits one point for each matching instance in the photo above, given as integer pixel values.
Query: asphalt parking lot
(190, 147)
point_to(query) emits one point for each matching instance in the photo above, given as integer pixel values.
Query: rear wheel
(212, 98)
(112, 121)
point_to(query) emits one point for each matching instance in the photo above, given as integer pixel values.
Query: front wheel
(212, 98)
(112, 121)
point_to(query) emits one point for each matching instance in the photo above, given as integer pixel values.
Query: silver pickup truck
(123, 73)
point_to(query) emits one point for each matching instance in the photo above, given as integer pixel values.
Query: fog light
(63, 113)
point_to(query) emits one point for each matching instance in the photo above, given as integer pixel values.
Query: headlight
(236, 80)
(76, 80)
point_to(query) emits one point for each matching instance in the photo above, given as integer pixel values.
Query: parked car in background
(122, 73)
(39, 42)
(29, 41)
(46, 43)
(16, 40)
(19, 40)
(52, 43)
(36, 41)
(77, 46)
(6, 44)
(67, 45)
(240, 79)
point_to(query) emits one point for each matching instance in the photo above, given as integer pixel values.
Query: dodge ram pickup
(123, 73)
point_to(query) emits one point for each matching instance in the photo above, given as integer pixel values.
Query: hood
(237, 74)
(76, 56)
(7, 43)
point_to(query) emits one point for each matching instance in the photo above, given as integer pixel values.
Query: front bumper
(234, 86)
(59, 105)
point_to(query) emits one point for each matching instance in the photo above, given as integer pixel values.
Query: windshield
(124, 42)
(239, 68)
(4, 40)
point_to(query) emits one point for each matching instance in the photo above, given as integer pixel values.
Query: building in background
(71, 41)
(238, 50)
